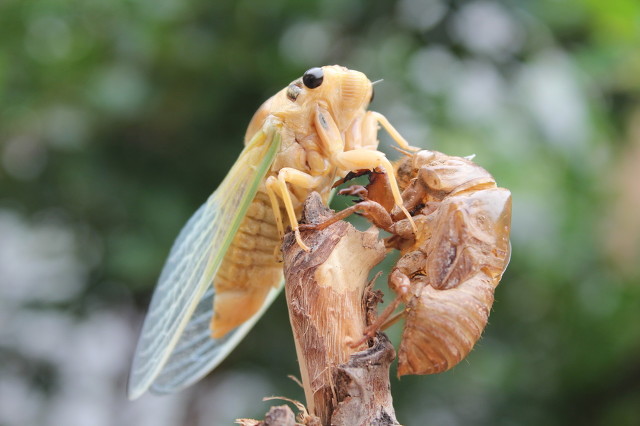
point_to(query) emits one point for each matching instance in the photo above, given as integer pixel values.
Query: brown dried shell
(466, 251)
(442, 326)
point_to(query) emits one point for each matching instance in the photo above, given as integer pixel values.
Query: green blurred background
(118, 118)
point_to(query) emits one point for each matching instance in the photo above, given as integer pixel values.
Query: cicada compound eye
(313, 77)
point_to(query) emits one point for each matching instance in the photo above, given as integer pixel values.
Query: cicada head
(346, 93)
(343, 92)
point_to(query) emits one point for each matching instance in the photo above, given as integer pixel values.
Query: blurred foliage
(118, 118)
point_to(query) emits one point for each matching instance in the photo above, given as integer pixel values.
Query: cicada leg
(271, 186)
(360, 158)
(400, 284)
(279, 186)
(368, 159)
(395, 135)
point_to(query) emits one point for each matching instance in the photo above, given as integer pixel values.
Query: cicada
(449, 268)
(222, 273)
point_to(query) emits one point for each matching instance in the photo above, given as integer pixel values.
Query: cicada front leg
(395, 135)
(368, 159)
(360, 158)
(278, 186)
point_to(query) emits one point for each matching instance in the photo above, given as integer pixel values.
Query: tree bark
(328, 303)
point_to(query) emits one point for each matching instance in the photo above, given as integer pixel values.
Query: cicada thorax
(455, 260)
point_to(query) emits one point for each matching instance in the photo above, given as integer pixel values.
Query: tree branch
(327, 302)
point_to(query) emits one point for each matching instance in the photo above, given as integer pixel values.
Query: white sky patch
(433, 70)
(549, 90)
(79, 409)
(91, 359)
(18, 403)
(152, 410)
(36, 334)
(421, 14)
(306, 43)
(102, 347)
(235, 394)
(478, 95)
(37, 261)
(486, 28)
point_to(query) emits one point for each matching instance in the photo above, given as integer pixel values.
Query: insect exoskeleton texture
(449, 268)
(454, 263)
(222, 272)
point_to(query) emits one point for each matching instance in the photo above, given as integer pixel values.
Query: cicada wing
(197, 353)
(194, 260)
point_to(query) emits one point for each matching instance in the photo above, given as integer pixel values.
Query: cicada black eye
(313, 77)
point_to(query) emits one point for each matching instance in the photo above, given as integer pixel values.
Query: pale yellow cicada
(221, 273)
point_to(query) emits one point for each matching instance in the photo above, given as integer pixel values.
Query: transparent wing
(194, 259)
(197, 353)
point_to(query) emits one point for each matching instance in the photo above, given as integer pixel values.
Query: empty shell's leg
(393, 319)
(400, 284)
(370, 209)
(355, 191)
(372, 329)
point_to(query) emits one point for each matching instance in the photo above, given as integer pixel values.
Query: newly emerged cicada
(449, 268)
(221, 273)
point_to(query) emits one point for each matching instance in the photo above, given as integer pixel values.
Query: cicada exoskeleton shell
(442, 326)
(453, 253)
(466, 251)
